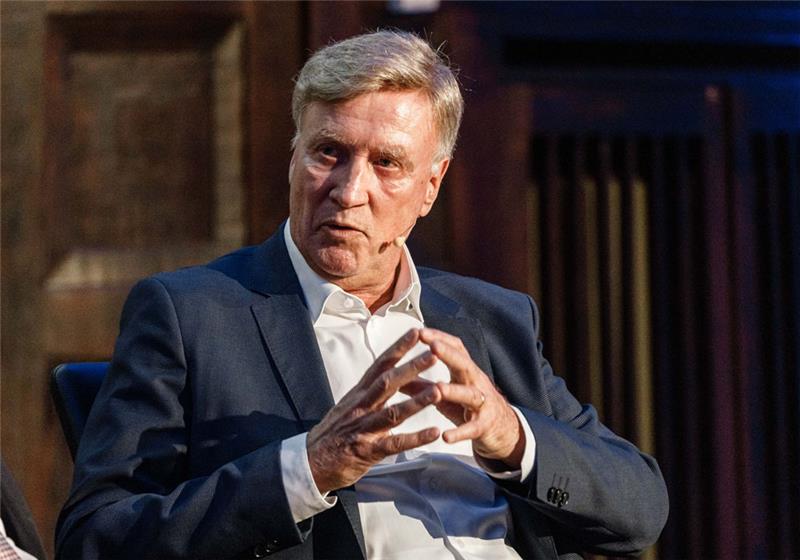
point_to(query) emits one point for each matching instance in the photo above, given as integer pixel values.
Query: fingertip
(403, 344)
(436, 394)
(427, 334)
(423, 362)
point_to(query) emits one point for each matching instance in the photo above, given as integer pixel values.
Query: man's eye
(385, 162)
(327, 150)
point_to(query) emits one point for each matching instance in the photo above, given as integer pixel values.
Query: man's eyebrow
(329, 135)
(398, 154)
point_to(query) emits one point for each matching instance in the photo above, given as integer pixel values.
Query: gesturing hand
(472, 403)
(354, 435)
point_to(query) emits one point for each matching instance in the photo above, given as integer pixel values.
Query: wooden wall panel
(137, 167)
(134, 137)
(129, 147)
(274, 54)
(23, 389)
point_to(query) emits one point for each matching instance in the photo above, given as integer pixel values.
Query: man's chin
(335, 262)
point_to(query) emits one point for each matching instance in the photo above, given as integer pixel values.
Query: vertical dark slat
(753, 403)
(610, 201)
(588, 188)
(575, 267)
(787, 181)
(740, 236)
(553, 250)
(536, 227)
(723, 377)
(689, 368)
(793, 206)
(623, 169)
(574, 279)
(673, 542)
(774, 343)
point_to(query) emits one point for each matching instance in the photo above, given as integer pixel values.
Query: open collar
(318, 291)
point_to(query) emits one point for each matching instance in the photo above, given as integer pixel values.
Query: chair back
(74, 388)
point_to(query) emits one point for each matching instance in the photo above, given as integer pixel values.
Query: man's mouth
(337, 229)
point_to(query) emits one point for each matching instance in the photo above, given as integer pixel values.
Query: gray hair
(382, 61)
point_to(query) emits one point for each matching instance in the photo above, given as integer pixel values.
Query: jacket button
(563, 499)
(265, 549)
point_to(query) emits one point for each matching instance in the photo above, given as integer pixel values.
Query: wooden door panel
(144, 160)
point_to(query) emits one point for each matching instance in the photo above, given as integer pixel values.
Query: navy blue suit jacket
(215, 365)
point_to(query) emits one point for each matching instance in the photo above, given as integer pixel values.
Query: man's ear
(432, 191)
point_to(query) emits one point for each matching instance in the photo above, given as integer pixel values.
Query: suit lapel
(444, 314)
(287, 330)
(292, 345)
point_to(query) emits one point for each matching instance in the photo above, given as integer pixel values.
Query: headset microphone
(400, 239)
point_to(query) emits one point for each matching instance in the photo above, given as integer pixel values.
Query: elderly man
(318, 396)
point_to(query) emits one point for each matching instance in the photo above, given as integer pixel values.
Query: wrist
(320, 472)
(511, 454)
(514, 458)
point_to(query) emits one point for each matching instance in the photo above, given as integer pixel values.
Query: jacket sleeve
(131, 495)
(598, 489)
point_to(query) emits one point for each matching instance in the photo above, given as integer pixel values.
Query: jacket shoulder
(469, 291)
(221, 279)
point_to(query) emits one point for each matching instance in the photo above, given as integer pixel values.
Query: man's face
(361, 174)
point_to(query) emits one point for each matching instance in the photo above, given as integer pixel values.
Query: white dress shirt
(435, 501)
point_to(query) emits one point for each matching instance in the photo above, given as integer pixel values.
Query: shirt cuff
(305, 499)
(528, 456)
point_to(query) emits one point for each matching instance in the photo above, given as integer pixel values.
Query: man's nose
(352, 183)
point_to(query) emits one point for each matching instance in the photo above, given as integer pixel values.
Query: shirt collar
(317, 290)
